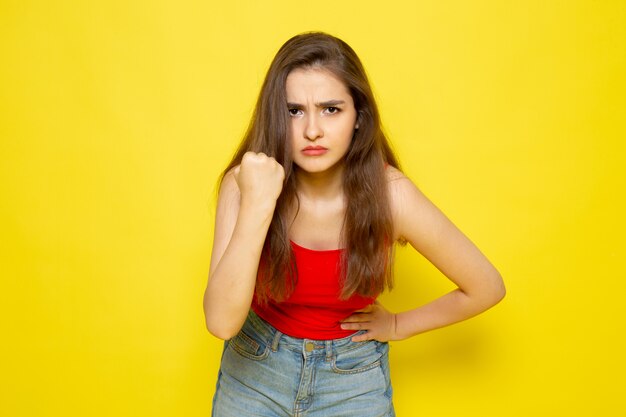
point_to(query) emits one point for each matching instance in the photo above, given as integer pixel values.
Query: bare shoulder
(400, 188)
(410, 208)
(229, 196)
(228, 187)
(228, 202)
(397, 184)
(393, 174)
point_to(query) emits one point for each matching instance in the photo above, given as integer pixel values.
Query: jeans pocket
(357, 360)
(248, 347)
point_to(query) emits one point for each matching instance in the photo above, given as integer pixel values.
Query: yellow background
(117, 116)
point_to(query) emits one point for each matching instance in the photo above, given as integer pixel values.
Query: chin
(317, 167)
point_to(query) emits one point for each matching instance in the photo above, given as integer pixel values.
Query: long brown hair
(367, 232)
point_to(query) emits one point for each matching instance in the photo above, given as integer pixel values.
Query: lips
(314, 150)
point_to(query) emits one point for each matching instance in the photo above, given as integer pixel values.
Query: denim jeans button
(335, 377)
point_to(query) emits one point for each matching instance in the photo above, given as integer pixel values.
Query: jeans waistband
(309, 347)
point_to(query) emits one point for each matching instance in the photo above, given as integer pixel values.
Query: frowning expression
(323, 119)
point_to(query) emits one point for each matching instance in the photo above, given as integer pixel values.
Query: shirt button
(309, 346)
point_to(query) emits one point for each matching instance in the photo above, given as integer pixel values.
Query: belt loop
(329, 350)
(275, 341)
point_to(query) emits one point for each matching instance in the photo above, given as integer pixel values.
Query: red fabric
(314, 310)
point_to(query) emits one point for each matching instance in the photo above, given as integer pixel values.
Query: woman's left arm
(430, 232)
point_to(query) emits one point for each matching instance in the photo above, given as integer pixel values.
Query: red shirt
(314, 310)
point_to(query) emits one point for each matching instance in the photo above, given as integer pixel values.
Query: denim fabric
(266, 373)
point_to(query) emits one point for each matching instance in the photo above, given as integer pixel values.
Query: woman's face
(323, 119)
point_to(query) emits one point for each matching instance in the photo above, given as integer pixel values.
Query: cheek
(346, 131)
(293, 129)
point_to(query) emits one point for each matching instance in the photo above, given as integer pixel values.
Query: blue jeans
(266, 373)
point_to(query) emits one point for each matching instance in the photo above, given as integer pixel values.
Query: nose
(313, 129)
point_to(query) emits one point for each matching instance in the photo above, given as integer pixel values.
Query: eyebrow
(329, 103)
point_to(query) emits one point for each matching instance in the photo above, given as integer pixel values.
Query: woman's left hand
(376, 319)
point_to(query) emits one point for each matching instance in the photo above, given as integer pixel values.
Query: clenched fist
(260, 179)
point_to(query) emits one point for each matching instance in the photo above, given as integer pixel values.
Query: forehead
(314, 83)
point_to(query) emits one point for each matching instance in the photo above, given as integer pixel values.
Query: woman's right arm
(245, 207)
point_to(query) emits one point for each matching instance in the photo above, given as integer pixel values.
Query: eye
(294, 112)
(333, 110)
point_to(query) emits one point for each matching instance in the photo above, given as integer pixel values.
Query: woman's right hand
(259, 178)
(245, 208)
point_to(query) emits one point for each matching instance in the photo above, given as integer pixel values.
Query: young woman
(308, 213)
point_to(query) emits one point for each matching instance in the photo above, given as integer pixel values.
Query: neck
(323, 185)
